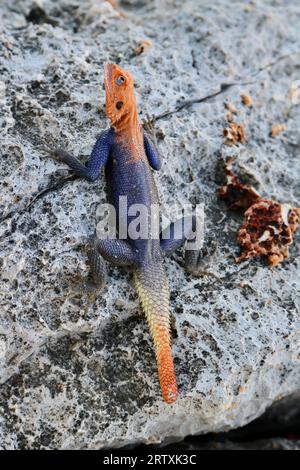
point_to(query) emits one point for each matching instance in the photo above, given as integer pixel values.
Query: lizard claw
(60, 153)
(193, 261)
(148, 123)
(197, 262)
(149, 127)
(97, 265)
(90, 287)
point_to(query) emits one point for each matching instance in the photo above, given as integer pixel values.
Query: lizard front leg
(91, 171)
(150, 145)
(98, 159)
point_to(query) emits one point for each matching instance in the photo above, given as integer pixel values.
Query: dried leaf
(115, 5)
(268, 225)
(238, 195)
(267, 231)
(246, 100)
(294, 93)
(234, 134)
(276, 129)
(229, 116)
(142, 46)
(231, 108)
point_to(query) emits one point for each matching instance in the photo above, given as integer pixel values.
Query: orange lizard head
(119, 91)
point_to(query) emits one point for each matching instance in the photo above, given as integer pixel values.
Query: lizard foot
(89, 287)
(149, 127)
(193, 261)
(61, 154)
(98, 268)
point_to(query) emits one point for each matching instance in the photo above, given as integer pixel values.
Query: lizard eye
(119, 104)
(120, 80)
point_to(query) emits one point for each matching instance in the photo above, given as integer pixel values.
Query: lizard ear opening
(119, 104)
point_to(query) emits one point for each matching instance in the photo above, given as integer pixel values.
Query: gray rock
(260, 444)
(78, 371)
(278, 428)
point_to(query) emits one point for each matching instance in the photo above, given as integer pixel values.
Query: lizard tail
(152, 287)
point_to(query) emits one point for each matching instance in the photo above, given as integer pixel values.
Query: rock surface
(79, 371)
(275, 443)
(278, 428)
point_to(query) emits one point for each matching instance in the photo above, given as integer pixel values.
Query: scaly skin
(127, 153)
(132, 167)
(152, 287)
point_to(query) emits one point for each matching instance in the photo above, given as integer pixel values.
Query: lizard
(129, 154)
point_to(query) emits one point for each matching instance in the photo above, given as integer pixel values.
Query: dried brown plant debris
(294, 93)
(116, 6)
(238, 195)
(246, 100)
(267, 231)
(268, 225)
(142, 46)
(277, 129)
(231, 108)
(234, 133)
(229, 116)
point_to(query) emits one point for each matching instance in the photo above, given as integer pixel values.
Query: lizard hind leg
(117, 252)
(179, 232)
(96, 281)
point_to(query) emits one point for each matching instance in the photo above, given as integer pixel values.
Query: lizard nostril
(119, 104)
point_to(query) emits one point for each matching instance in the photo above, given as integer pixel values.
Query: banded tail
(153, 291)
